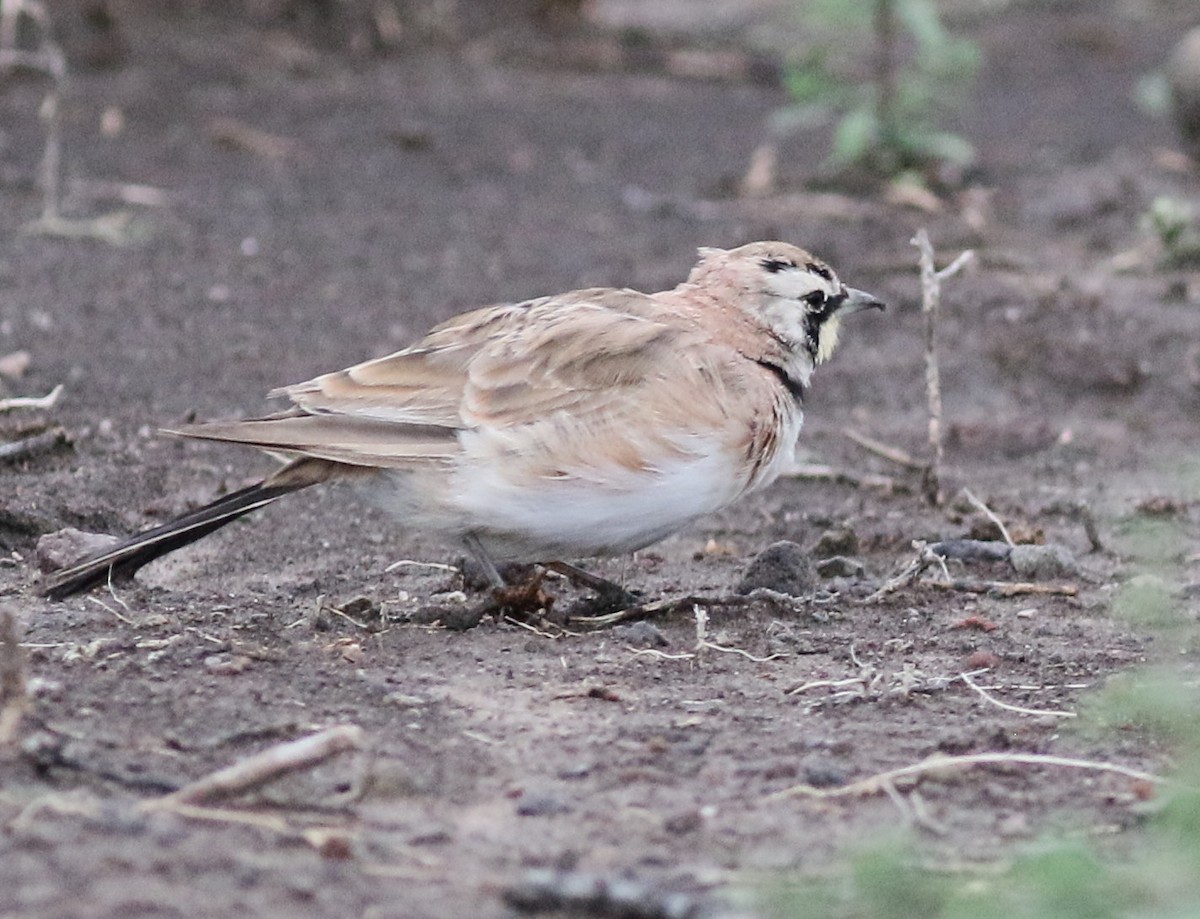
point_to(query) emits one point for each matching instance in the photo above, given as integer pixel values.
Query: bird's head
(795, 295)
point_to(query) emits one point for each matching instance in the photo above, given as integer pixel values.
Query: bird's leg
(483, 560)
(520, 597)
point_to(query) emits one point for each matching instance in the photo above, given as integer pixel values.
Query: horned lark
(590, 423)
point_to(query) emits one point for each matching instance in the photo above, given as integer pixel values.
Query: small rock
(784, 567)
(541, 805)
(838, 566)
(67, 546)
(226, 664)
(825, 775)
(1049, 561)
(641, 634)
(686, 822)
(838, 541)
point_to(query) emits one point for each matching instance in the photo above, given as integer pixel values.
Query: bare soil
(499, 160)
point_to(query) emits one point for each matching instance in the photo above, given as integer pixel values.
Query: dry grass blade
(875, 784)
(13, 697)
(46, 401)
(1009, 707)
(990, 514)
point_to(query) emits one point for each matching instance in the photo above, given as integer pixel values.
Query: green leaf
(854, 137)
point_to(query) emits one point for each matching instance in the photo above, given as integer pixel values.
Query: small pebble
(641, 634)
(541, 805)
(65, 547)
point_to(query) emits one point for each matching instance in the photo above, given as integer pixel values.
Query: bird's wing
(596, 363)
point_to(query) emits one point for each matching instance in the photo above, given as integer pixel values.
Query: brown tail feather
(127, 556)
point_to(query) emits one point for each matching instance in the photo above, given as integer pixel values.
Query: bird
(585, 424)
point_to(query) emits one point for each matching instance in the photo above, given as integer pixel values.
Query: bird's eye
(816, 298)
(775, 265)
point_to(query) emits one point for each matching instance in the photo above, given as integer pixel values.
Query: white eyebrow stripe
(798, 283)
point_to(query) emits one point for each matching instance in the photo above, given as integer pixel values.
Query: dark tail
(127, 556)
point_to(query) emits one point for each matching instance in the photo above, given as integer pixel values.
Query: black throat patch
(791, 384)
(815, 317)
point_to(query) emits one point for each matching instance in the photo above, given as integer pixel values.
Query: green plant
(890, 120)
(1173, 224)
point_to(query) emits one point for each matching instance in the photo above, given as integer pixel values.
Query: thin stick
(272, 763)
(410, 563)
(31, 446)
(988, 697)
(990, 514)
(931, 297)
(841, 476)
(910, 574)
(46, 401)
(889, 453)
(13, 697)
(875, 783)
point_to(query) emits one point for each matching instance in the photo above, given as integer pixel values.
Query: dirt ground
(324, 205)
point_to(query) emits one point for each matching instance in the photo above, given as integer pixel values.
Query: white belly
(602, 511)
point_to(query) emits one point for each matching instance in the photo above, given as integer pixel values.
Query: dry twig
(46, 401)
(889, 453)
(31, 446)
(911, 573)
(931, 296)
(999, 703)
(272, 763)
(1003, 588)
(876, 783)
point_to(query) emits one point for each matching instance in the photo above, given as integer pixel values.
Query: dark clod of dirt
(784, 567)
(839, 541)
(686, 822)
(455, 617)
(66, 546)
(545, 891)
(825, 775)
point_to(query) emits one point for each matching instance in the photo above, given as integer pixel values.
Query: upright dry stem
(931, 298)
(48, 58)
